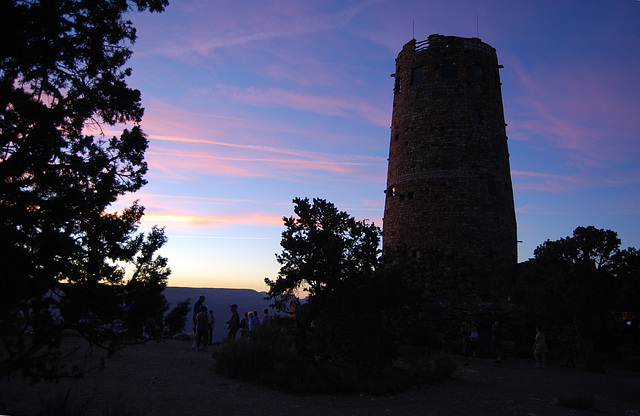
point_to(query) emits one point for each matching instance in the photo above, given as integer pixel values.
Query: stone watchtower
(449, 198)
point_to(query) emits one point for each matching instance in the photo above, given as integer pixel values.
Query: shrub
(268, 356)
(580, 402)
(62, 404)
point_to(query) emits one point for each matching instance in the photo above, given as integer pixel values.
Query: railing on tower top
(423, 44)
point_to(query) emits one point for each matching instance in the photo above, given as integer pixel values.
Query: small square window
(449, 70)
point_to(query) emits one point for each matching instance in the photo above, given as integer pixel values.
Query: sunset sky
(252, 103)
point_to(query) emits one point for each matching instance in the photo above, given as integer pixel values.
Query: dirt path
(168, 378)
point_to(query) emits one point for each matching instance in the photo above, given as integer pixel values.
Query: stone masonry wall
(449, 197)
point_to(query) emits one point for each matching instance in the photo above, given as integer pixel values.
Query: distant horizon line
(208, 287)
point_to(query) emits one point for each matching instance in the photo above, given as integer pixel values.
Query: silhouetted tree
(626, 269)
(330, 256)
(579, 279)
(66, 262)
(177, 318)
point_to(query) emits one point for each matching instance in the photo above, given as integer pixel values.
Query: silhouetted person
(254, 321)
(464, 334)
(473, 338)
(570, 356)
(212, 323)
(266, 318)
(244, 324)
(540, 348)
(497, 339)
(196, 309)
(233, 324)
(202, 328)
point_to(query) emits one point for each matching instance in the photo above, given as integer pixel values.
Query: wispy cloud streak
(331, 105)
(255, 21)
(361, 160)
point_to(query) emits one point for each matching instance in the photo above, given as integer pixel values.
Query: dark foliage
(66, 262)
(580, 402)
(330, 256)
(364, 328)
(267, 356)
(585, 281)
(322, 249)
(176, 319)
(358, 315)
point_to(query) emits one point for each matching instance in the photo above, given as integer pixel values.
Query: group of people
(203, 323)
(249, 321)
(470, 338)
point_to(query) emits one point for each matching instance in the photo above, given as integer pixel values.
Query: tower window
(491, 182)
(449, 70)
(398, 87)
(477, 117)
(477, 73)
(417, 76)
(391, 191)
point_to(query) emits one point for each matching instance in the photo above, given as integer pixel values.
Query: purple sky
(250, 104)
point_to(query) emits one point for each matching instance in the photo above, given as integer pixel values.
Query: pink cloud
(182, 221)
(183, 165)
(328, 105)
(229, 146)
(193, 214)
(556, 183)
(197, 215)
(579, 107)
(526, 209)
(628, 209)
(546, 182)
(319, 156)
(241, 23)
(163, 120)
(240, 159)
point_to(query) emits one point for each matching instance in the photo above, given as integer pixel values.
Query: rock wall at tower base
(456, 295)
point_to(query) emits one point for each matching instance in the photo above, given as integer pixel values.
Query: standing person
(265, 318)
(244, 324)
(540, 348)
(233, 323)
(250, 321)
(212, 323)
(254, 321)
(473, 338)
(497, 338)
(196, 311)
(465, 343)
(202, 328)
(569, 348)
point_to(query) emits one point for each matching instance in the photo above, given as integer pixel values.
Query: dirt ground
(168, 378)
